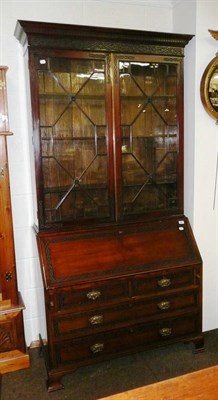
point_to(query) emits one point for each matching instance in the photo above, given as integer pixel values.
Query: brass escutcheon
(2, 172)
(8, 276)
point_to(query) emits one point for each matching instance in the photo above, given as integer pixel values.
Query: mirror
(209, 88)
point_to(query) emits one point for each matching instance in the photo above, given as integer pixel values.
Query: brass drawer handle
(164, 332)
(96, 319)
(93, 295)
(97, 348)
(164, 282)
(164, 305)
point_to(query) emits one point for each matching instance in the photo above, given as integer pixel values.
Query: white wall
(201, 139)
(179, 15)
(138, 14)
(206, 151)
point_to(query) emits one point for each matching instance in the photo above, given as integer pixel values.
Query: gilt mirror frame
(209, 85)
(209, 88)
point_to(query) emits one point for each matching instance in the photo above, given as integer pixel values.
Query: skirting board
(37, 343)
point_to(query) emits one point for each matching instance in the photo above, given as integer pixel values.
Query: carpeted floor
(107, 378)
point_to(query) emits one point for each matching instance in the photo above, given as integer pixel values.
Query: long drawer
(100, 346)
(91, 321)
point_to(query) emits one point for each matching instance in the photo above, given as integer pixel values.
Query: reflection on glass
(73, 138)
(149, 126)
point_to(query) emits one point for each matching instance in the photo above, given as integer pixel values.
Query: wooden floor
(200, 385)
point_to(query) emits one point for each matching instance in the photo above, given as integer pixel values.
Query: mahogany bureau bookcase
(121, 268)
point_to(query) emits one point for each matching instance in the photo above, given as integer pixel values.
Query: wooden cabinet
(112, 292)
(13, 354)
(108, 127)
(121, 268)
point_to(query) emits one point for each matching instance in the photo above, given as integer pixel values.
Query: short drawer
(153, 283)
(101, 346)
(89, 295)
(95, 320)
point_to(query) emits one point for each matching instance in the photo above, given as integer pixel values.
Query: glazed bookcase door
(148, 97)
(72, 149)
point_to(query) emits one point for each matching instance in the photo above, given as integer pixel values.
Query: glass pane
(73, 138)
(149, 129)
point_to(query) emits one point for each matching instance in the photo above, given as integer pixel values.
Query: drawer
(87, 322)
(101, 346)
(165, 305)
(89, 295)
(152, 283)
(92, 321)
